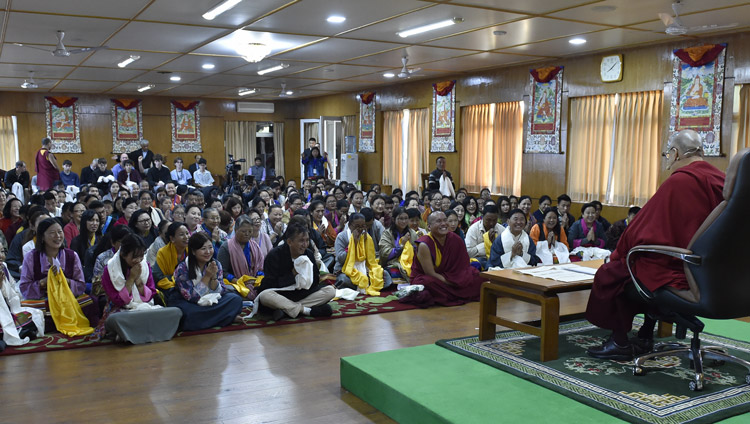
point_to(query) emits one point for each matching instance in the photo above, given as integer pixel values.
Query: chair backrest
(723, 278)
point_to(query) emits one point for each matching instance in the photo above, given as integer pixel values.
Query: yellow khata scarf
(243, 282)
(361, 261)
(167, 260)
(407, 258)
(487, 244)
(64, 307)
(438, 253)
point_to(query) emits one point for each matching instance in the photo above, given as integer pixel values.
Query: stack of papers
(567, 273)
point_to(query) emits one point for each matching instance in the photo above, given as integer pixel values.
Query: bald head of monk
(684, 148)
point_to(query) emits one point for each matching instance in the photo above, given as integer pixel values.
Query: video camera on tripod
(233, 169)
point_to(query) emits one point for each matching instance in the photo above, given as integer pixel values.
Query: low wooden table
(540, 291)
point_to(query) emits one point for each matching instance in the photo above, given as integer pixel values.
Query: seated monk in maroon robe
(47, 169)
(671, 218)
(442, 266)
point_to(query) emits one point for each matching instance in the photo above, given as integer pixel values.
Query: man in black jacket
(434, 179)
(142, 157)
(158, 173)
(291, 285)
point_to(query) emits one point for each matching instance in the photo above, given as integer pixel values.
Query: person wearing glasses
(671, 217)
(142, 225)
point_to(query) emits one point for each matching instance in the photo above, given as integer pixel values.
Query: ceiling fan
(60, 50)
(284, 92)
(407, 72)
(29, 83)
(674, 25)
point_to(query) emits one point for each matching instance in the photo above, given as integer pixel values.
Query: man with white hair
(142, 157)
(671, 217)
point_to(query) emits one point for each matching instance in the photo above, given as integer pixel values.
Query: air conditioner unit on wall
(254, 107)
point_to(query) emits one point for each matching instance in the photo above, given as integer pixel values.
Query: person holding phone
(201, 293)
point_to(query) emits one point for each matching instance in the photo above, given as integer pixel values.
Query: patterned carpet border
(714, 403)
(367, 305)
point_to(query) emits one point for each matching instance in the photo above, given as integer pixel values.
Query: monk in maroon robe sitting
(442, 266)
(671, 218)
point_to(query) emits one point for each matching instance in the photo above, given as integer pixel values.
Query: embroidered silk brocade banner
(63, 128)
(543, 128)
(127, 124)
(186, 132)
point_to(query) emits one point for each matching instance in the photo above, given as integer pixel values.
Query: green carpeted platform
(430, 384)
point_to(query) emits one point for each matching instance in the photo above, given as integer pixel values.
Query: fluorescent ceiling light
(246, 91)
(577, 41)
(253, 52)
(289, 93)
(336, 19)
(273, 69)
(175, 78)
(430, 27)
(145, 87)
(389, 75)
(220, 8)
(208, 66)
(128, 61)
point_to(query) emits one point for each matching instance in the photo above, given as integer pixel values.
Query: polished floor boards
(286, 374)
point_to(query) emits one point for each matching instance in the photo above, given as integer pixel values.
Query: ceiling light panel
(310, 16)
(520, 32)
(336, 19)
(473, 18)
(176, 11)
(220, 8)
(228, 45)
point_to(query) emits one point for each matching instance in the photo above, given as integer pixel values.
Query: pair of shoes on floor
(612, 351)
(641, 346)
(321, 311)
(406, 291)
(278, 315)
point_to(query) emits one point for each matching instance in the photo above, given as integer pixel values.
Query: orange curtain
(417, 152)
(590, 146)
(635, 171)
(392, 140)
(8, 153)
(476, 139)
(508, 146)
(741, 137)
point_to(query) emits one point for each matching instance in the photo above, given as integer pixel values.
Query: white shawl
(117, 276)
(508, 241)
(10, 304)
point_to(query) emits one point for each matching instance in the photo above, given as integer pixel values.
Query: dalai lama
(671, 217)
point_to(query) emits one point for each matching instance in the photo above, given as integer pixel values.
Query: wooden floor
(287, 374)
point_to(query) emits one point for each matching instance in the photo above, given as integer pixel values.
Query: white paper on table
(556, 273)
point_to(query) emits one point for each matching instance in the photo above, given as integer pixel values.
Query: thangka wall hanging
(443, 117)
(63, 128)
(367, 122)
(543, 130)
(127, 125)
(186, 126)
(698, 83)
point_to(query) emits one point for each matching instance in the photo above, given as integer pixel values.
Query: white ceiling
(172, 38)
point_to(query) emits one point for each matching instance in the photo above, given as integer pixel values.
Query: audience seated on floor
(587, 231)
(514, 248)
(291, 285)
(357, 260)
(482, 234)
(442, 267)
(129, 285)
(199, 288)
(398, 246)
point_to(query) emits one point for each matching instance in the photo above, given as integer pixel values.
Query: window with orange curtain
(392, 141)
(492, 142)
(613, 150)
(8, 142)
(740, 119)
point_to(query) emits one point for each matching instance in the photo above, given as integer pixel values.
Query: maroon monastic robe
(454, 266)
(671, 218)
(46, 174)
